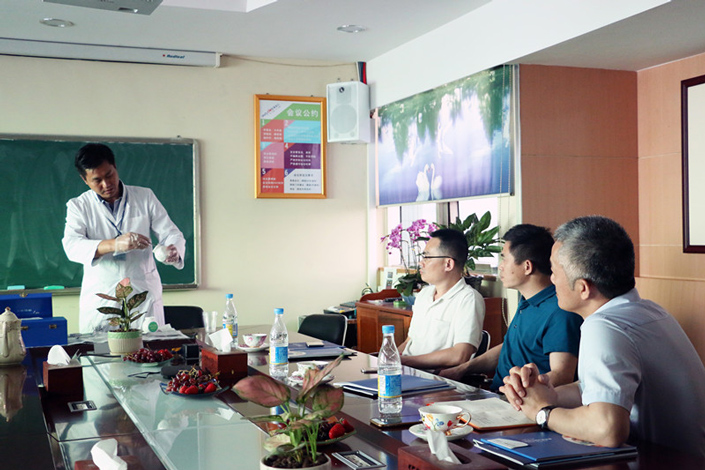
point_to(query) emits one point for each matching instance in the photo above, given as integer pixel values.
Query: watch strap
(547, 412)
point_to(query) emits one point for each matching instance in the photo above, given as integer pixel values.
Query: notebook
(409, 384)
(546, 448)
(301, 351)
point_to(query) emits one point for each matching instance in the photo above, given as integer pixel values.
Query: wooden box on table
(63, 380)
(230, 366)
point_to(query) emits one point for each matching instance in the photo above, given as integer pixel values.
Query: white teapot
(12, 350)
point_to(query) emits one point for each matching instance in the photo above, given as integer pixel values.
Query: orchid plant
(124, 315)
(298, 427)
(407, 241)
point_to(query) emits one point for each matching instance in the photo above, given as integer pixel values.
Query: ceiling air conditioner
(141, 7)
(64, 50)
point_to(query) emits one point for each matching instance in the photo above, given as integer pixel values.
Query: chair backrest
(383, 294)
(183, 317)
(328, 326)
(484, 343)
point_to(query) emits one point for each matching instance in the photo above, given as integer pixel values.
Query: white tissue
(58, 357)
(221, 340)
(438, 443)
(105, 456)
(160, 253)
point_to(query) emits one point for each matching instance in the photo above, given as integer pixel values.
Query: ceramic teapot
(12, 349)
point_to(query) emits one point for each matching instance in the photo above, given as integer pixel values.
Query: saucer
(249, 350)
(419, 430)
(297, 379)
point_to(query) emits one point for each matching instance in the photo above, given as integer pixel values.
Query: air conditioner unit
(141, 7)
(63, 50)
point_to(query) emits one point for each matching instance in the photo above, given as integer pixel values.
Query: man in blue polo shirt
(540, 332)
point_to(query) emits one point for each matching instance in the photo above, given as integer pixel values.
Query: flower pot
(124, 342)
(324, 466)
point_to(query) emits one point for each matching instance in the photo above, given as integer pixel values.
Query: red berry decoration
(346, 424)
(336, 431)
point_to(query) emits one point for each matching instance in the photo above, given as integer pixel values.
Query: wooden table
(26, 443)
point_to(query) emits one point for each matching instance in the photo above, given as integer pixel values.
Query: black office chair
(484, 343)
(183, 317)
(328, 327)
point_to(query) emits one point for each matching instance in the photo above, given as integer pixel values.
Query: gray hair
(598, 250)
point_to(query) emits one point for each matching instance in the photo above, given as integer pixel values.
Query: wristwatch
(542, 416)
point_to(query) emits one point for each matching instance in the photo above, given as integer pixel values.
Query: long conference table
(161, 431)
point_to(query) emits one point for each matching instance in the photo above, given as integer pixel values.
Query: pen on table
(368, 371)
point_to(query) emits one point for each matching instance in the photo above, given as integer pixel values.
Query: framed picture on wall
(693, 154)
(290, 150)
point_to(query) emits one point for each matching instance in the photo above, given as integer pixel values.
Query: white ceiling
(306, 29)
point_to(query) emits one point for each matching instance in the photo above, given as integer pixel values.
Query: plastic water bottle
(230, 316)
(278, 346)
(389, 374)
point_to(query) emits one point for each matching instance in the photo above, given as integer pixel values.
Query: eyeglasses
(425, 256)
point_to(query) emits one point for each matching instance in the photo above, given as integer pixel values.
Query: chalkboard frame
(194, 267)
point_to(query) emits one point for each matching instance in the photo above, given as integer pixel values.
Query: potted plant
(125, 339)
(406, 240)
(294, 442)
(482, 242)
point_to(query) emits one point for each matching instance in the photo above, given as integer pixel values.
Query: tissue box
(64, 380)
(44, 331)
(231, 366)
(421, 458)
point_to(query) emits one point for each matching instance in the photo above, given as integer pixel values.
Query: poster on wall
(452, 142)
(290, 152)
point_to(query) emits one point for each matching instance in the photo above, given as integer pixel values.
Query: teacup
(254, 340)
(443, 418)
(316, 365)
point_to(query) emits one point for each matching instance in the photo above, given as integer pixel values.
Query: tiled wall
(674, 279)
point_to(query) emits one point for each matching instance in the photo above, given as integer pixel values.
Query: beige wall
(670, 277)
(303, 255)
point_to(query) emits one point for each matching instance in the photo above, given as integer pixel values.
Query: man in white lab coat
(108, 231)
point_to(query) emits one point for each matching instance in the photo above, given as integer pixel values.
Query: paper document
(492, 413)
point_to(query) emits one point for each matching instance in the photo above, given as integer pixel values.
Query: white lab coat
(89, 221)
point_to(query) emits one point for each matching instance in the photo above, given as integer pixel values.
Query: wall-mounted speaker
(348, 112)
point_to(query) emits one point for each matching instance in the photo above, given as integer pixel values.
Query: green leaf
(110, 310)
(122, 292)
(108, 297)
(262, 390)
(136, 300)
(327, 401)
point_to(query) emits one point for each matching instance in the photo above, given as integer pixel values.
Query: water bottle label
(278, 355)
(234, 334)
(389, 386)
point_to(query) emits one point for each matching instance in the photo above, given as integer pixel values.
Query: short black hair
(598, 250)
(532, 243)
(91, 156)
(453, 244)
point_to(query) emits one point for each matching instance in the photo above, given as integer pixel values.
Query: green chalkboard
(38, 177)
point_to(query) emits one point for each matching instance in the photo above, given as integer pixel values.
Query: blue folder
(410, 384)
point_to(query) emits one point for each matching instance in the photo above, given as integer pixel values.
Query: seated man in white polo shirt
(446, 327)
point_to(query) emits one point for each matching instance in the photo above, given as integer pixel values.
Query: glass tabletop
(185, 432)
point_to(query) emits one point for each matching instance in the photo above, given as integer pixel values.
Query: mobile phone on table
(314, 344)
(395, 421)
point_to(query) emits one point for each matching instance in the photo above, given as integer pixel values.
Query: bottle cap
(228, 296)
(278, 311)
(388, 329)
